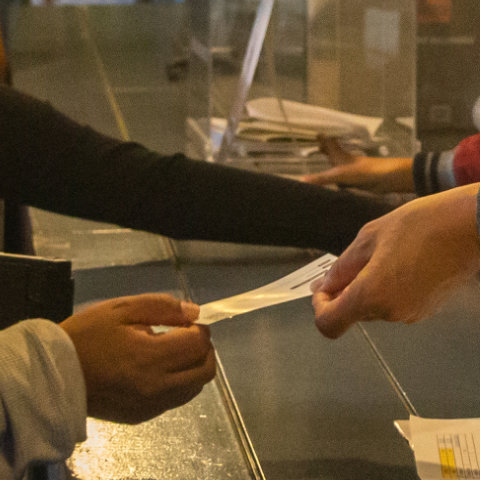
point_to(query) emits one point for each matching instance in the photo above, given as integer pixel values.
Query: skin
(402, 266)
(131, 374)
(376, 174)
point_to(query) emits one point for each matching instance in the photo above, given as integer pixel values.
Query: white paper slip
(445, 448)
(293, 286)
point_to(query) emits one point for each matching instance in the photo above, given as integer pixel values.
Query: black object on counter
(34, 287)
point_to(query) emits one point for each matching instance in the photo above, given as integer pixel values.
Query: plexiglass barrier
(268, 76)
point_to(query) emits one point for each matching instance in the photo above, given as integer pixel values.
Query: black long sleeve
(51, 162)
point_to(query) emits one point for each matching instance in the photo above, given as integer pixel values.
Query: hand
(131, 374)
(376, 174)
(400, 266)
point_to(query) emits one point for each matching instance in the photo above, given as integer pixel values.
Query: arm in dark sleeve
(49, 161)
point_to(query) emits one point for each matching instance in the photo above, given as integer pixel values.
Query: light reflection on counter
(188, 443)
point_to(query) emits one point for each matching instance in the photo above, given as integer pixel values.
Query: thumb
(334, 314)
(343, 271)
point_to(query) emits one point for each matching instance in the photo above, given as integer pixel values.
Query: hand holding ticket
(291, 287)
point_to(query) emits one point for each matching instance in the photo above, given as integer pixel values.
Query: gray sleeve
(43, 398)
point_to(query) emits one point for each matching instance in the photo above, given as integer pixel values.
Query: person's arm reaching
(425, 173)
(402, 265)
(375, 174)
(51, 162)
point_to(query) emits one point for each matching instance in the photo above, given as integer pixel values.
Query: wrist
(433, 172)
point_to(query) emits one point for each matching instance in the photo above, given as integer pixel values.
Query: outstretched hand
(376, 174)
(401, 266)
(131, 374)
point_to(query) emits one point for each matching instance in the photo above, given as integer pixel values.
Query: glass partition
(259, 96)
(448, 55)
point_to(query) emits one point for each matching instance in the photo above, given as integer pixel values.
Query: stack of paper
(267, 132)
(282, 126)
(286, 127)
(323, 121)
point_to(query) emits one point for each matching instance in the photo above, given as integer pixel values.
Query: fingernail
(190, 310)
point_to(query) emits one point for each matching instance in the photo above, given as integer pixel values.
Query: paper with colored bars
(444, 448)
(293, 286)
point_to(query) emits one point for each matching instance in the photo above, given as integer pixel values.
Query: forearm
(212, 202)
(43, 396)
(68, 168)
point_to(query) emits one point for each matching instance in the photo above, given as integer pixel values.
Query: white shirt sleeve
(43, 397)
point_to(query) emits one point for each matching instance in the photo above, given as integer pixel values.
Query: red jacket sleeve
(437, 171)
(466, 163)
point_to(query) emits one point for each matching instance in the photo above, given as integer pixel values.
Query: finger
(334, 314)
(196, 376)
(191, 311)
(345, 269)
(155, 309)
(181, 348)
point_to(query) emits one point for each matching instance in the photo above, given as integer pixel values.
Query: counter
(287, 403)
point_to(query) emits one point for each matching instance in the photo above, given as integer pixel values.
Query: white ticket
(293, 286)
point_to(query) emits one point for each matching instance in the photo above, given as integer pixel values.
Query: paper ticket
(291, 287)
